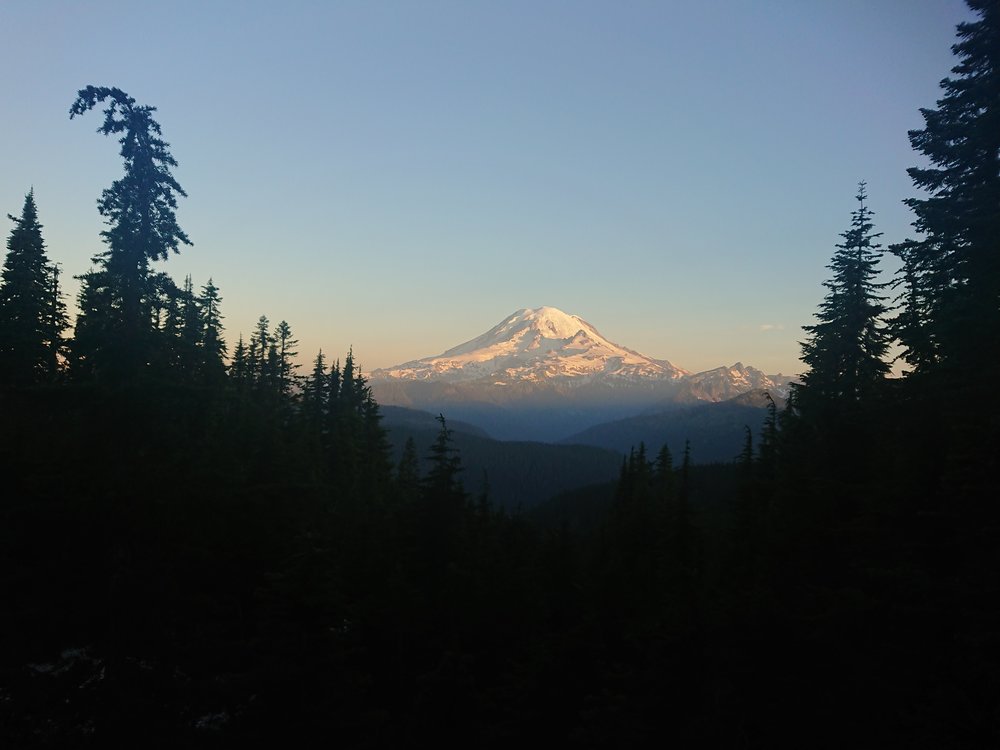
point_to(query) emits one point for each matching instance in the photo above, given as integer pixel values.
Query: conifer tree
(951, 305)
(284, 346)
(190, 314)
(260, 343)
(767, 453)
(212, 341)
(167, 321)
(32, 316)
(441, 482)
(314, 393)
(270, 378)
(846, 349)
(55, 322)
(239, 369)
(142, 227)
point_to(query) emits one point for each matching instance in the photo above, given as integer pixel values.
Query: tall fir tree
(442, 484)
(191, 328)
(257, 350)
(315, 392)
(951, 305)
(239, 368)
(139, 209)
(213, 351)
(56, 321)
(846, 349)
(284, 346)
(32, 315)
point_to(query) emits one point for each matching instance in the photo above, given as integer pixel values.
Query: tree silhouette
(212, 341)
(284, 347)
(32, 314)
(257, 351)
(846, 349)
(952, 274)
(142, 227)
(442, 483)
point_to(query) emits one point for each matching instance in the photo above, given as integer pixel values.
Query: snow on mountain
(544, 345)
(724, 383)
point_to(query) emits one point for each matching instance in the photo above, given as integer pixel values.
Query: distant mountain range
(543, 374)
(515, 474)
(715, 430)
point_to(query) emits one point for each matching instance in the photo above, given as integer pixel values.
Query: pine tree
(846, 349)
(142, 227)
(284, 346)
(213, 344)
(55, 322)
(239, 369)
(260, 343)
(32, 316)
(315, 391)
(441, 482)
(665, 475)
(767, 453)
(951, 307)
(168, 322)
(190, 327)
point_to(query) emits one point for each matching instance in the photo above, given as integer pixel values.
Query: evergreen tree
(665, 474)
(442, 482)
(166, 302)
(32, 316)
(212, 342)
(239, 369)
(846, 349)
(260, 343)
(767, 454)
(952, 275)
(315, 391)
(142, 227)
(284, 368)
(191, 325)
(55, 322)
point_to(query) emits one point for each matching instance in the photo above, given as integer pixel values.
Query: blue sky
(400, 176)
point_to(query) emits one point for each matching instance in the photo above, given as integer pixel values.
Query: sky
(400, 176)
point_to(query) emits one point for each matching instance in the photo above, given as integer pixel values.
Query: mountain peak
(547, 322)
(534, 345)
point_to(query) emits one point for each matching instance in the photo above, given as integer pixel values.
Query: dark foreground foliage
(177, 570)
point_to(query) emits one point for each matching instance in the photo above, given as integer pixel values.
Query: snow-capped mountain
(724, 383)
(543, 374)
(535, 346)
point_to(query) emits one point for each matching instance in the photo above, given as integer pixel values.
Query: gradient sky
(400, 176)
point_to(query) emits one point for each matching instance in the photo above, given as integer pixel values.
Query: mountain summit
(544, 374)
(533, 346)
